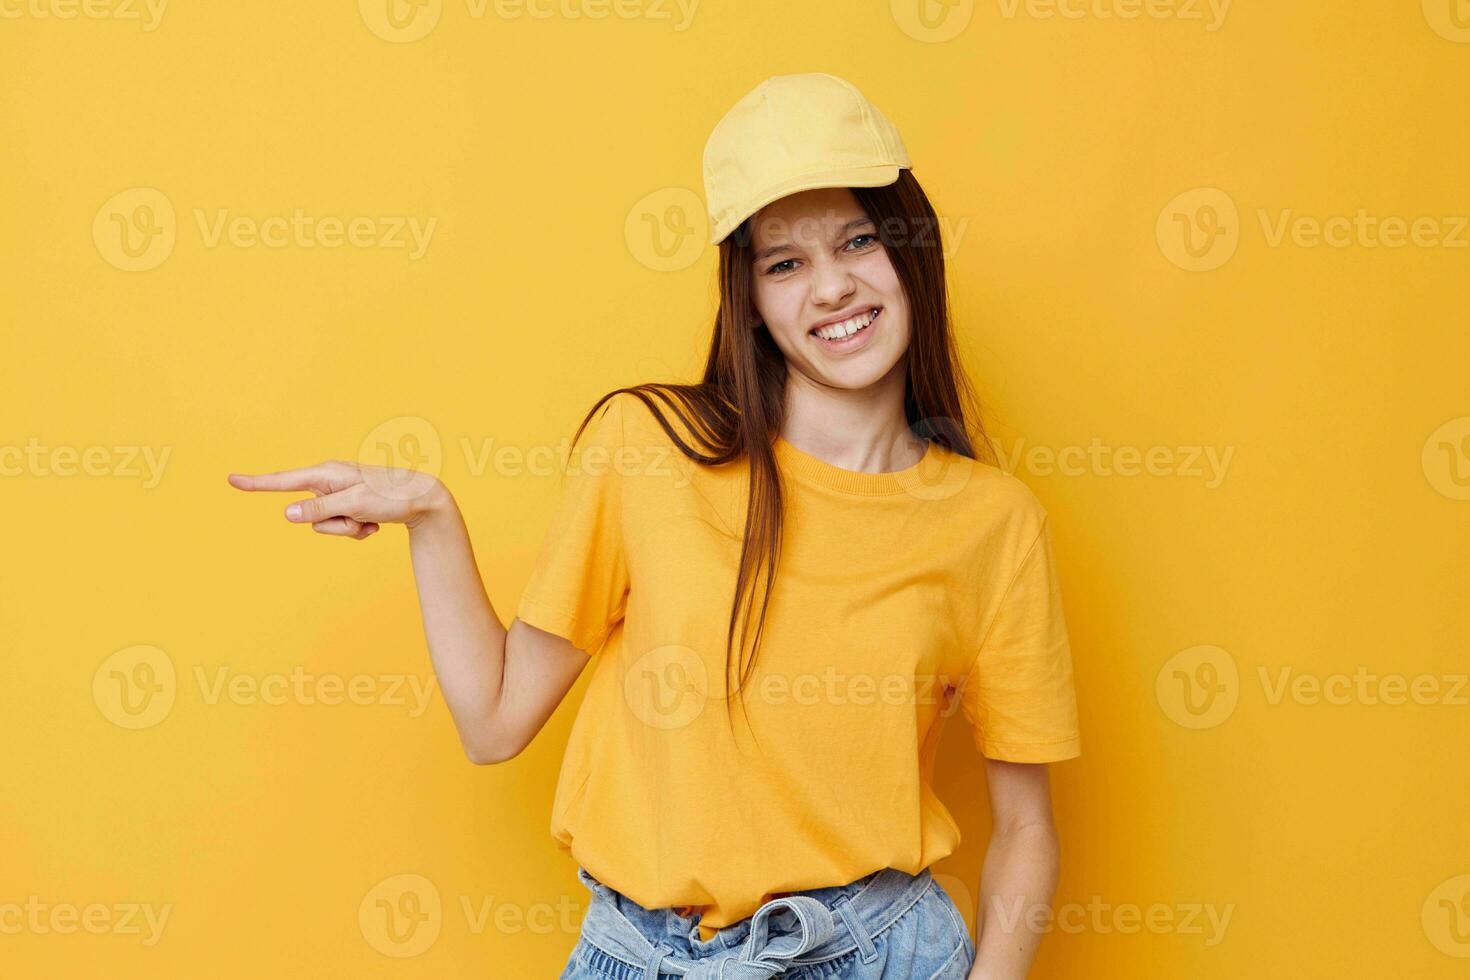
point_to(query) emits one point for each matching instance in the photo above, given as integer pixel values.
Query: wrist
(430, 507)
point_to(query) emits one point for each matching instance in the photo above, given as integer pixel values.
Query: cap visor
(879, 176)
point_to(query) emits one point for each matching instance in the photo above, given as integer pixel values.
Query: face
(818, 264)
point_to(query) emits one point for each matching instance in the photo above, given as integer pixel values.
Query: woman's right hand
(352, 499)
(497, 709)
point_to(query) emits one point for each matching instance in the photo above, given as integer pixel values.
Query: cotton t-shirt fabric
(898, 597)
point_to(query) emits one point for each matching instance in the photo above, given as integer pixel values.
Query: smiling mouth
(836, 333)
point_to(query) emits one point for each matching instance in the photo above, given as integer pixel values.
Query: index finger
(304, 478)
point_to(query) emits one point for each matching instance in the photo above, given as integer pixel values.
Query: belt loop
(656, 960)
(843, 905)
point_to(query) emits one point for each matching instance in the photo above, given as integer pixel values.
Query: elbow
(1039, 826)
(484, 756)
(1038, 839)
(489, 752)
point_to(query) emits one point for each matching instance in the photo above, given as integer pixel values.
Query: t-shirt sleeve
(579, 583)
(1018, 693)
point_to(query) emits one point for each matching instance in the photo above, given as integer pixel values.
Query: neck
(860, 429)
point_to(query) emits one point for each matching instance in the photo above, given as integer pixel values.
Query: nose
(832, 283)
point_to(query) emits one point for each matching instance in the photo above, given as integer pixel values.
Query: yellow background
(1336, 540)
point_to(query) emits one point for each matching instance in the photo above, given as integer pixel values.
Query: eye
(776, 269)
(859, 238)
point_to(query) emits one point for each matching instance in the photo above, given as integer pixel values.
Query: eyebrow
(766, 253)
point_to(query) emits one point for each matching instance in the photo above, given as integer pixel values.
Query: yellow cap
(794, 133)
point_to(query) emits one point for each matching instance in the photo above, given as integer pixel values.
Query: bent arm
(500, 685)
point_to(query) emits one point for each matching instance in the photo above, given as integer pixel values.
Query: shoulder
(992, 498)
(601, 423)
(639, 422)
(625, 425)
(622, 409)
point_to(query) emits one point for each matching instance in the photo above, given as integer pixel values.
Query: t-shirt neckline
(818, 470)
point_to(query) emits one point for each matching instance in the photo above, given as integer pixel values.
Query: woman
(791, 572)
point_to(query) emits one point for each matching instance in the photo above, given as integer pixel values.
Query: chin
(855, 377)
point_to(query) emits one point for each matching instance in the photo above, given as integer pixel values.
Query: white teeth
(846, 328)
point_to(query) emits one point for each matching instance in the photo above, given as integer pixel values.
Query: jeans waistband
(795, 930)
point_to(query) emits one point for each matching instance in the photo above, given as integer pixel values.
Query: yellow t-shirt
(898, 596)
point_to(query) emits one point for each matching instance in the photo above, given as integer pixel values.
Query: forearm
(1017, 883)
(466, 639)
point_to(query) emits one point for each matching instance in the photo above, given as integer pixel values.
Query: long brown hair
(736, 410)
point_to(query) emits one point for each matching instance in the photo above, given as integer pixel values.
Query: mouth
(849, 334)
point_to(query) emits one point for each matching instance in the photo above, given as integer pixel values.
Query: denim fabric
(888, 925)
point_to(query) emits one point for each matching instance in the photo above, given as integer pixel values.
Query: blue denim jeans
(888, 925)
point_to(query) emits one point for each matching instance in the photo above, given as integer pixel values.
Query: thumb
(315, 509)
